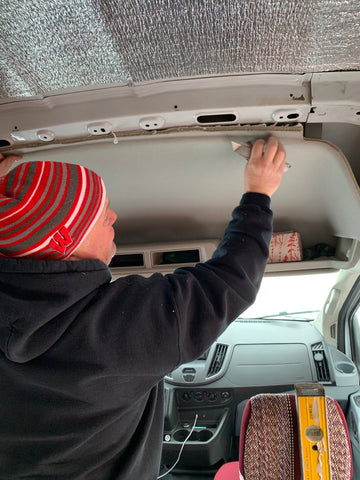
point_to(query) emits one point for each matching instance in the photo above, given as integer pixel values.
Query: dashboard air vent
(321, 365)
(217, 360)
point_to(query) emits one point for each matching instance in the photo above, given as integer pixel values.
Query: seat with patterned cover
(269, 441)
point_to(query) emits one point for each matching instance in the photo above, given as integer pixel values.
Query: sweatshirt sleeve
(147, 326)
(209, 296)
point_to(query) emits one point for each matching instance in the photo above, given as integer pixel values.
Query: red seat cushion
(228, 471)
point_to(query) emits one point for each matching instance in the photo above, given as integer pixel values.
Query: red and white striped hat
(47, 209)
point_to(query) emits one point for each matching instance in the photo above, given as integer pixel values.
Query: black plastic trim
(345, 315)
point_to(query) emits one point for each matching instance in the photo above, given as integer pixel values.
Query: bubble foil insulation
(51, 45)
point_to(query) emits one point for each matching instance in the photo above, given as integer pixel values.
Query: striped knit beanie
(47, 209)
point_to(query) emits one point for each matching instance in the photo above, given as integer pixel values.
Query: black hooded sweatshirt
(82, 358)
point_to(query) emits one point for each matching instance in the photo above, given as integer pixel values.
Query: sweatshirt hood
(40, 299)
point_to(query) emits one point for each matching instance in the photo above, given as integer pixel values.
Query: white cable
(115, 142)
(181, 449)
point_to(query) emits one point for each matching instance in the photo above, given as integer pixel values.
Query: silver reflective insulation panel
(51, 45)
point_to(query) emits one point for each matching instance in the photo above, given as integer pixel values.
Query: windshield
(295, 297)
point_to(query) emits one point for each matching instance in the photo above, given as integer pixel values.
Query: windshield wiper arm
(288, 314)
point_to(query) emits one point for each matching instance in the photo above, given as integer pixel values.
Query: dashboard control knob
(225, 395)
(186, 396)
(199, 396)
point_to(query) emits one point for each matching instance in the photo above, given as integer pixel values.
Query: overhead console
(173, 187)
(164, 258)
(185, 225)
(174, 192)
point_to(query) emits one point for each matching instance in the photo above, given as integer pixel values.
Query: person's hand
(6, 163)
(265, 168)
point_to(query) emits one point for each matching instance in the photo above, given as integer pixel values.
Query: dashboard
(252, 356)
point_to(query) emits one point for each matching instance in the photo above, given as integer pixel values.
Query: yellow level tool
(314, 444)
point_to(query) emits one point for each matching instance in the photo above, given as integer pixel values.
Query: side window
(355, 337)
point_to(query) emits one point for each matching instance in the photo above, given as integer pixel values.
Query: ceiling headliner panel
(68, 44)
(183, 186)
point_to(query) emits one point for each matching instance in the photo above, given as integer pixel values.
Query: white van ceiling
(68, 44)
